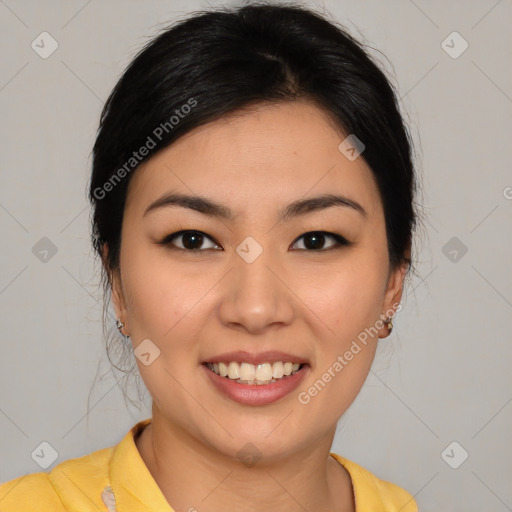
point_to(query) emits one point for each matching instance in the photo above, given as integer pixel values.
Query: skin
(308, 302)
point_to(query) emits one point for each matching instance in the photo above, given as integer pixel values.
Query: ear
(393, 295)
(118, 300)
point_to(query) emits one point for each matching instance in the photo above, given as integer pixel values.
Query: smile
(255, 379)
(254, 375)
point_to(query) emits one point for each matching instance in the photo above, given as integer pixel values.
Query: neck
(194, 476)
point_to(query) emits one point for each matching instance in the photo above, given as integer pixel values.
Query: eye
(314, 240)
(191, 240)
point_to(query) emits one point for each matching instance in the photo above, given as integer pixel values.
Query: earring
(389, 324)
(120, 326)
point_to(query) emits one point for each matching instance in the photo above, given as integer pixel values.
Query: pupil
(317, 240)
(194, 239)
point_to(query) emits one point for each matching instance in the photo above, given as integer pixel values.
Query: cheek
(350, 306)
(159, 294)
(164, 306)
(349, 296)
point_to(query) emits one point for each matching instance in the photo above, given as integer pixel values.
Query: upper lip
(242, 356)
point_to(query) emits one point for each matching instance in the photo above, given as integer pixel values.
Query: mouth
(256, 379)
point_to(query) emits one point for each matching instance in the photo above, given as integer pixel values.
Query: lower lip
(257, 394)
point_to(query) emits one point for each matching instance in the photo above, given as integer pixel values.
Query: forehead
(260, 155)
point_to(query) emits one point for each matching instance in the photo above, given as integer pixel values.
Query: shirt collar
(133, 485)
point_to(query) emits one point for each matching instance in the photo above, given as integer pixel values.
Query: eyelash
(167, 240)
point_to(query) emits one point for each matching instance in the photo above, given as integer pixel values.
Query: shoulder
(20, 494)
(373, 494)
(69, 481)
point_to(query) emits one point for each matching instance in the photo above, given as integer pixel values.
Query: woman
(252, 192)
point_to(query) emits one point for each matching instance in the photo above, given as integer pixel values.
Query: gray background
(441, 377)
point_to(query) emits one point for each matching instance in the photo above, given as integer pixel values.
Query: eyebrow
(213, 209)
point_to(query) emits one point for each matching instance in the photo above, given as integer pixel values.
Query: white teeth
(223, 369)
(246, 373)
(277, 370)
(264, 372)
(233, 370)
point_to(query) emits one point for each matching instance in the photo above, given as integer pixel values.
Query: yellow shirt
(91, 483)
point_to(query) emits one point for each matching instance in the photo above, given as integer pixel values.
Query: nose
(255, 296)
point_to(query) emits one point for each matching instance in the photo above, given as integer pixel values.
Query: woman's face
(253, 286)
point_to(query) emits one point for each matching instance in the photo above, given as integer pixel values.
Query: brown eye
(315, 241)
(190, 240)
